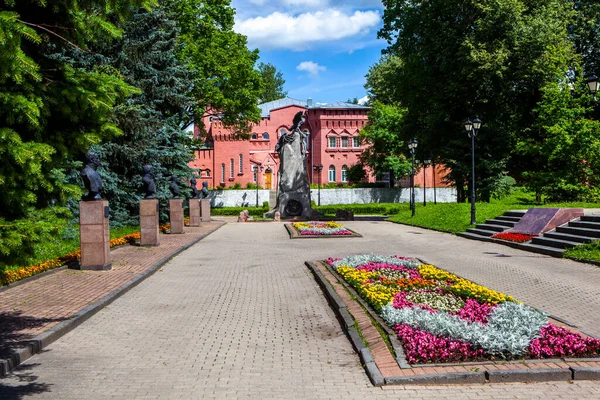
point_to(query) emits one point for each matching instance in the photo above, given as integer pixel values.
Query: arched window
(241, 170)
(332, 141)
(282, 132)
(254, 136)
(208, 173)
(223, 173)
(265, 136)
(231, 168)
(344, 173)
(331, 173)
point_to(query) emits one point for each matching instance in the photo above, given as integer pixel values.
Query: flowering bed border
(295, 234)
(349, 307)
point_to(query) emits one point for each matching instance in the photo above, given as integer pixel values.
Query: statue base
(176, 215)
(194, 212)
(149, 222)
(205, 210)
(94, 233)
(292, 205)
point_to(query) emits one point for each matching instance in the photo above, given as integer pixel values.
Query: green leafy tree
(356, 173)
(385, 150)
(52, 111)
(272, 83)
(449, 61)
(225, 82)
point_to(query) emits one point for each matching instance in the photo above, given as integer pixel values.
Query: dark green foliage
(356, 173)
(272, 83)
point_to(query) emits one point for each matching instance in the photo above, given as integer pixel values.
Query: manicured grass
(586, 252)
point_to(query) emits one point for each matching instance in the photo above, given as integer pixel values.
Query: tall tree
(272, 83)
(486, 58)
(52, 111)
(225, 82)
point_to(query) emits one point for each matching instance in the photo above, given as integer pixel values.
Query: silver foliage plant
(356, 261)
(511, 327)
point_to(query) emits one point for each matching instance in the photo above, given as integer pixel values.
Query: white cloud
(307, 3)
(311, 67)
(285, 31)
(363, 100)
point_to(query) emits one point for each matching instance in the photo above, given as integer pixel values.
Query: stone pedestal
(94, 231)
(149, 222)
(176, 215)
(205, 210)
(194, 212)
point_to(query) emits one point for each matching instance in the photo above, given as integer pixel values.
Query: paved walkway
(239, 316)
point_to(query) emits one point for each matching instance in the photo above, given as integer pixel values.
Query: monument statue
(204, 189)
(194, 188)
(293, 190)
(148, 180)
(91, 178)
(174, 187)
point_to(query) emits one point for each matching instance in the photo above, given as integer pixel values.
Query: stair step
(585, 224)
(536, 248)
(490, 227)
(515, 213)
(591, 218)
(550, 242)
(509, 224)
(480, 232)
(573, 230)
(507, 218)
(572, 238)
(470, 235)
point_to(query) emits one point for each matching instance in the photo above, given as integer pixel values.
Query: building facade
(333, 143)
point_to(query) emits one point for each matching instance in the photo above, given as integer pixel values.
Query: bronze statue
(149, 185)
(204, 189)
(194, 188)
(91, 178)
(174, 187)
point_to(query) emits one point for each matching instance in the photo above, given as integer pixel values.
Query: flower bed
(513, 237)
(316, 228)
(440, 317)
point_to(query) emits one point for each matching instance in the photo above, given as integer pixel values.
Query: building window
(254, 173)
(208, 173)
(241, 171)
(306, 141)
(344, 172)
(356, 141)
(254, 136)
(282, 132)
(265, 136)
(344, 141)
(332, 173)
(231, 168)
(222, 173)
(331, 141)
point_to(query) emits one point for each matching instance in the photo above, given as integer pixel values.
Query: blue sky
(324, 48)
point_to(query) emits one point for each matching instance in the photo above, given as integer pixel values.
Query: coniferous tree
(272, 83)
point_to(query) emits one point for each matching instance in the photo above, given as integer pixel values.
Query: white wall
(247, 198)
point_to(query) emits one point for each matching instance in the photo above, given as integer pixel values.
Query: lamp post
(318, 168)
(426, 162)
(412, 145)
(472, 128)
(593, 84)
(256, 167)
(434, 188)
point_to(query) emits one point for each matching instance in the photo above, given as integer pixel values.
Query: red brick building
(333, 142)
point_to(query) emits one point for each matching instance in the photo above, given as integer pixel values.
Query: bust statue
(194, 188)
(204, 189)
(91, 178)
(149, 185)
(174, 187)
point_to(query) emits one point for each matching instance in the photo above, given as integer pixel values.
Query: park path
(238, 315)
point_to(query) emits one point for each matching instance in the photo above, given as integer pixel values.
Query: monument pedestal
(176, 215)
(149, 222)
(194, 212)
(94, 231)
(205, 210)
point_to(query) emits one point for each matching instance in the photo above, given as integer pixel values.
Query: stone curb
(586, 373)
(37, 344)
(453, 378)
(347, 323)
(529, 375)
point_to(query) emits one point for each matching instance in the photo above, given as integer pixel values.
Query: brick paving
(238, 315)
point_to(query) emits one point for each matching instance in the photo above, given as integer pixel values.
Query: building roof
(288, 101)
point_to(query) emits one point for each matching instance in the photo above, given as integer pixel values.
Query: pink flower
(560, 342)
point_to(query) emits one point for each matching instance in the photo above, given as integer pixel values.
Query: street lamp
(256, 167)
(318, 168)
(426, 162)
(434, 188)
(593, 84)
(412, 145)
(472, 128)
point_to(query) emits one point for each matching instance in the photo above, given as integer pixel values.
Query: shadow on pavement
(24, 384)
(14, 327)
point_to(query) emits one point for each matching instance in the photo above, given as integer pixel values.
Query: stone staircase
(553, 243)
(493, 226)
